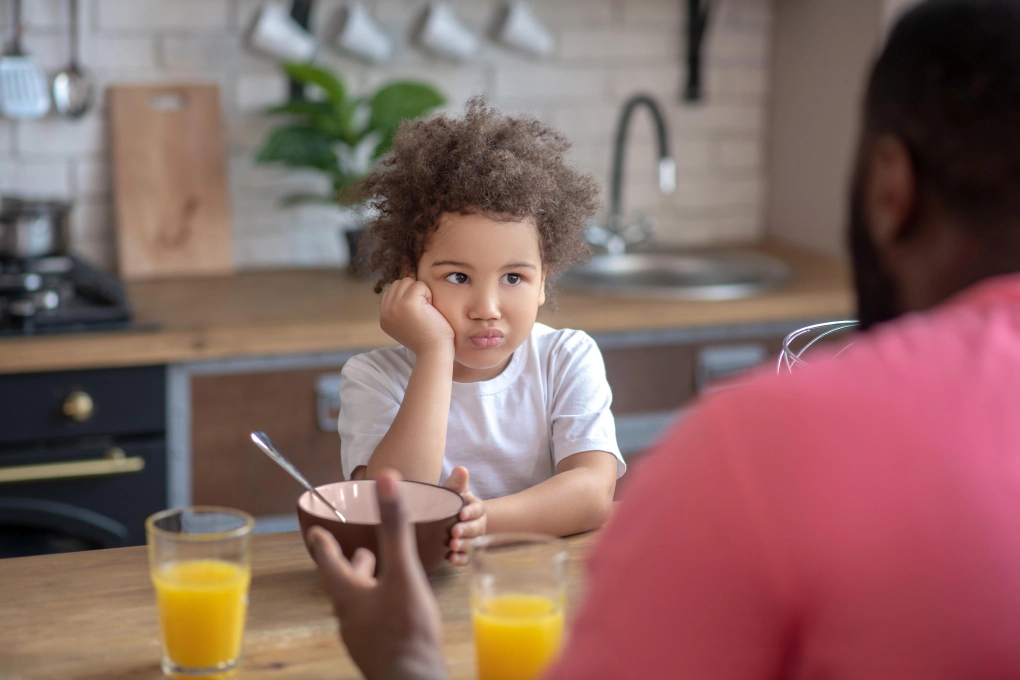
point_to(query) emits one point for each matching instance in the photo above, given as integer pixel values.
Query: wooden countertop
(308, 311)
(92, 616)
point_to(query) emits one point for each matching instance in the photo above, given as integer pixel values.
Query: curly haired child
(477, 215)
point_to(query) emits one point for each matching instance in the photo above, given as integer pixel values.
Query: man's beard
(877, 294)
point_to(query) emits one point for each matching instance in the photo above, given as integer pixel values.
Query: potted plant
(338, 134)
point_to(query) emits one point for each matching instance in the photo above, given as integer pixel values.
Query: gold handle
(79, 406)
(113, 462)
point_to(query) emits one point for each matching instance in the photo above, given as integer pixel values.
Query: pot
(33, 228)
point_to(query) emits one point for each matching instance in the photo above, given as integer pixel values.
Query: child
(476, 215)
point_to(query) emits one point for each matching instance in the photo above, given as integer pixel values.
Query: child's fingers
(394, 292)
(473, 510)
(458, 559)
(402, 286)
(471, 529)
(419, 289)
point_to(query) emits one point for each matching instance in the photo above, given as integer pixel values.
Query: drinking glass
(518, 598)
(200, 563)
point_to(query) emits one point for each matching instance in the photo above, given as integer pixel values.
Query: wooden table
(92, 616)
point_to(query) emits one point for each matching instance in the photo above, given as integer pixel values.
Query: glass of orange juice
(200, 563)
(518, 597)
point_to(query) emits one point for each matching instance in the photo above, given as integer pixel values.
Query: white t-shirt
(511, 432)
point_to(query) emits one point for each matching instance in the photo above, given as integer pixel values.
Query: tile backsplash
(606, 50)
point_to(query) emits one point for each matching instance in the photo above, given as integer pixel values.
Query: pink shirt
(859, 520)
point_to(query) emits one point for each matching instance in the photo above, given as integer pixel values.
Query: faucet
(617, 234)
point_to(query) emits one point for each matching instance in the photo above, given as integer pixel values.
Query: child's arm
(416, 441)
(579, 497)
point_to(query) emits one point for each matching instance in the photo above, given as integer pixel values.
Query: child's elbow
(601, 508)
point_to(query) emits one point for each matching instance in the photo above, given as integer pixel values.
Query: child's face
(487, 279)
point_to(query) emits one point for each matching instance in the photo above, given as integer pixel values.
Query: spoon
(262, 441)
(72, 87)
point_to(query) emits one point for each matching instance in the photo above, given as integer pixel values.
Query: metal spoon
(263, 442)
(73, 87)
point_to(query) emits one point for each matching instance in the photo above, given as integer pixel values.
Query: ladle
(73, 87)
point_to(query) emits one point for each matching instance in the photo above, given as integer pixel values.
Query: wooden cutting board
(170, 181)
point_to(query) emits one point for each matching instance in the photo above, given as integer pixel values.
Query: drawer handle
(79, 406)
(114, 462)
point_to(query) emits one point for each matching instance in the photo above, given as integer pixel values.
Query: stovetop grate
(60, 295)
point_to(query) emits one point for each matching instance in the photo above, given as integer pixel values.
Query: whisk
(799, 341)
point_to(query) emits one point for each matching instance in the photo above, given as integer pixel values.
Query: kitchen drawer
(37, 407)
(650, 379)
(226, 467)
(661, 378)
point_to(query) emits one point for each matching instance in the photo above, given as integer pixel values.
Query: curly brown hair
(506, 167)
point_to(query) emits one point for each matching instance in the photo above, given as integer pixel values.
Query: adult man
(858, 520)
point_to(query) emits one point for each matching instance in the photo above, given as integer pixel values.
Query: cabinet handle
(79, 406)
(114, 462)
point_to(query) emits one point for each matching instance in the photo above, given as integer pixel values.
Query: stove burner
(59, 295)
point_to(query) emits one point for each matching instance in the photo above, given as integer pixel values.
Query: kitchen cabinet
(227, 469)
(667, 377)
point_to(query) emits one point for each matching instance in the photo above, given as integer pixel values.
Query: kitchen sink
(722, 274)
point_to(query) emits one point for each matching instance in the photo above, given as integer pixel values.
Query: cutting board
(170, 181)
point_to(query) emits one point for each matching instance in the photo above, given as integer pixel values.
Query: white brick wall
(606, 51)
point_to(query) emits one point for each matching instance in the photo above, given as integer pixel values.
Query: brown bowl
(432, 509)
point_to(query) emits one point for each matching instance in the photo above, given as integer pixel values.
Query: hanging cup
(361, 36)
(276, 34)
(442, 33)
(521, 29)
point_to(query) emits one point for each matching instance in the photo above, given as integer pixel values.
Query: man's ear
(891, 190)
(541, 294)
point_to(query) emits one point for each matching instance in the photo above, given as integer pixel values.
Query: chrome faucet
(618, 233)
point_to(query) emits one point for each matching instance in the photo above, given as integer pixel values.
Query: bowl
(432, 509)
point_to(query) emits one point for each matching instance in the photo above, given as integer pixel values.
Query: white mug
(444, 34)
(277, 34)
(521, 29)
(361, 36)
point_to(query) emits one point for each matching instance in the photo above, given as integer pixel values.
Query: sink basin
(680, 275)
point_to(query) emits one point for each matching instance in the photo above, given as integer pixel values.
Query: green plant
(340, 135)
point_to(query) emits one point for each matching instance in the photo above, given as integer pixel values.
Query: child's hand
(472, 517)
(407, 316)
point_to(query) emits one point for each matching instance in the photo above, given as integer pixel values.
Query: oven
(82, 458)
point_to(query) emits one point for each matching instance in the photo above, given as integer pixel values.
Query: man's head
(936, 193)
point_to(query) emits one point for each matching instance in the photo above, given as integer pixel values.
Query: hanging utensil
(24, 94)
(698, 12)
(73, 87)
(263, 442)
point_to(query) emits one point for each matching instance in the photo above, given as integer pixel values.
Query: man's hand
(391, 625)
(407, 316)
(472, 517)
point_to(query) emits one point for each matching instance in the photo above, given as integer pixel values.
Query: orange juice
(202, 604)
(516, 636)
